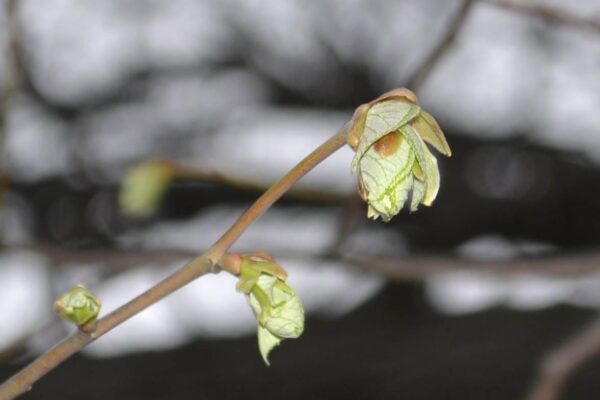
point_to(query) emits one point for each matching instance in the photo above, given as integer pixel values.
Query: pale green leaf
(433, 180)
(278, 309)
(431, 132)
(287, 312)
(383, 118)
(427, 163)
(266, 342)
(387, 180)
(262, 264)
(248, 278)
(418, 192)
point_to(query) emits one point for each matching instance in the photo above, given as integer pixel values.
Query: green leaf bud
(79, 306)
(392, 159)
(143, 187)
(277, 307)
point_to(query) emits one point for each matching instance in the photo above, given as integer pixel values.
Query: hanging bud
(144, 186)
(392, 159)
(276, 305)
(79, 306)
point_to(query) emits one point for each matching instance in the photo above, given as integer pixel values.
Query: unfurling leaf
(392, 159)
(144, 186)
(266, 342)
(78, 305)
(276, 305)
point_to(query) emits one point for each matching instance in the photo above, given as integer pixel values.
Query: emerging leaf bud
(79, 306)
(392, 160)
(144, 186)
(276, 305)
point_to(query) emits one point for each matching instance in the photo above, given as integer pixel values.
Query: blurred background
(491, 293)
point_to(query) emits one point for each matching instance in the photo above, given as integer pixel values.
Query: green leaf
(255, 264)
(248, 279)
(387, 180)
(427, 163)
(431, 132)
(263, 263)
(266, 342)
(382, 118)
(143, 187)
(432, 184)
(279, 312)
(287, 314)
(418, 193)
(78, 305)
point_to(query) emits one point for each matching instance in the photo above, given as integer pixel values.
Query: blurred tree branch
(439, 51)
(546, 13)
(420, 267)
(560, 363)
(404, 268)
(445, 44)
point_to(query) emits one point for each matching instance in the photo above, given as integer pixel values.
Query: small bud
(392, 160)
(79, 306)
(143, 187)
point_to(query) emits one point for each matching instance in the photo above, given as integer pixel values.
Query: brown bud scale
(388, 145)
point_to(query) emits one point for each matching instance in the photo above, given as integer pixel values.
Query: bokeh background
(464, 300)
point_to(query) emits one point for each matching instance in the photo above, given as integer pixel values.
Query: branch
(560, 364)
(116, 259)
(423, 72)
(199, 266)
(405, 268)
(420, 267)
(547, 13)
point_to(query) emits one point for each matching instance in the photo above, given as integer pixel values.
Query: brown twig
(199, 266)
(547, 13)
(560, 364)
(116, 259)
(420, 267)
(405, 268)
(427, 66)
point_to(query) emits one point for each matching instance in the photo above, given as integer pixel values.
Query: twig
(405, 268)
(547, 13)
(420, 267)
(427, 66)
(116, 259)
(199, 266)
(560, 364)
